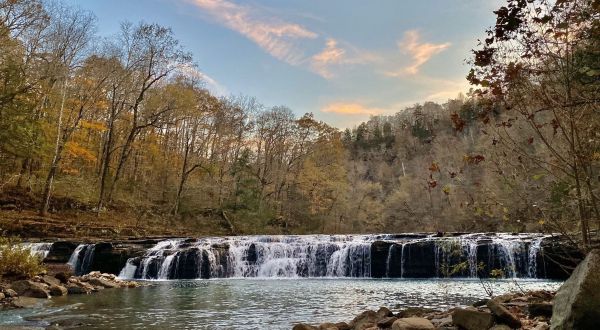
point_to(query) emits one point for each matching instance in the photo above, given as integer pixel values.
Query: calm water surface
(255, 303)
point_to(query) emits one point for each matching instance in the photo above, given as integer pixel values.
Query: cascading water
(405, 255)
(38, 249)
(81, 259)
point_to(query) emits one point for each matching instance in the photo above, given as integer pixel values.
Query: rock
(50, 280)
(540, 309)
(73, 288)
(2, 296)
(415, 311)
(303, 326)
(386, 322)
(480, 303)
(25, 302)
(364, 320)
(384, 312)
(577, 302)
(58, 290)
(442, 321)
(503, 314)
(343, 326)
(412, 323)
(31, 289)
(10, 293)
(63, 277)
(472, 319)
(541, 326)
(99, 282)
(501, 327)
(328, 326)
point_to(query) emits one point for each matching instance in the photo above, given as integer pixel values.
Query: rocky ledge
(576, 305)
(47, 286)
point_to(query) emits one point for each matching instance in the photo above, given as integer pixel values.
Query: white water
(327, 256)
(38, 249)
(82, 258)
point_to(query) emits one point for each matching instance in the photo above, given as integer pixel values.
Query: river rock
(364, 320)
(383, 312)
(58, 290)
(412, 323)
(577, 302)
(503, 315)
(472, 319)
(342, 326)
(50, 280)
(10, 293)
(73, 288)
(302, 326)
(31, 289)
(386, 322)
(2, 296)
(99, 282)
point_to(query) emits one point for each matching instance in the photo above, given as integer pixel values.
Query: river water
(256, 303)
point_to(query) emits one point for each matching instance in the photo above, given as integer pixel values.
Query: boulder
(58, 290)
(503, 315)
(577, 302)
(343, 326)
(384, 312)
(50, 280)
(540, 309)
(10, 293)
(31, 289)
(63, 277)
(412, 323)
(302, 326)
(2, 296)
(100, 282)
(386, 322)
(73, 288)
(364, 320)
(472, 319)
(328, 326)
(415, 311)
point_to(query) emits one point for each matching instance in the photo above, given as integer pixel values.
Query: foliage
(17, 260)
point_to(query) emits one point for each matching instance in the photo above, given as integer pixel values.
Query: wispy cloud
(351, 109)
(419, 52)
(274, 35)
(335, 54)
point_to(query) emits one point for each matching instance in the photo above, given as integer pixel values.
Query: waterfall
(534, 250)
(81, 259)
(290, 256)
(38, 249)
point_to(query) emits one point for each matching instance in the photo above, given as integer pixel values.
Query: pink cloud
(418, 51)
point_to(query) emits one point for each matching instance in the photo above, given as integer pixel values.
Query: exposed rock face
(472, 319)
(412, 323)
(577, 303)
(60, 252)
(31, 289)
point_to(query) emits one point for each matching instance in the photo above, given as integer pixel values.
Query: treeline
(124, 124)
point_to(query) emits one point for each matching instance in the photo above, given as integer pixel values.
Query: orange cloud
(419, 52)
(274, 36)
(334, 54)
(351, 109)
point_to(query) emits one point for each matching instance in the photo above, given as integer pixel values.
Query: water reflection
(264, 304)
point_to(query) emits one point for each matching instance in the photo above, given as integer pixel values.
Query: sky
(342, 60)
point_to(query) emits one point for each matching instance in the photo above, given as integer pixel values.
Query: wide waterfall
(391, 256)
(38, 249)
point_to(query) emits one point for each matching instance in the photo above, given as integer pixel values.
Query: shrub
(17, 260)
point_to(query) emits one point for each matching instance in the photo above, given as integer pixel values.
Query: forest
(124, 128)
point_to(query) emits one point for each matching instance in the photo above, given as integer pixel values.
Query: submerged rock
(577, 302)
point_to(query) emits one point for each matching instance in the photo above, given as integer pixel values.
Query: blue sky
(343, 60)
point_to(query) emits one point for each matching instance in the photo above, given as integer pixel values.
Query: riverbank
(17, 293)
(524, 310)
